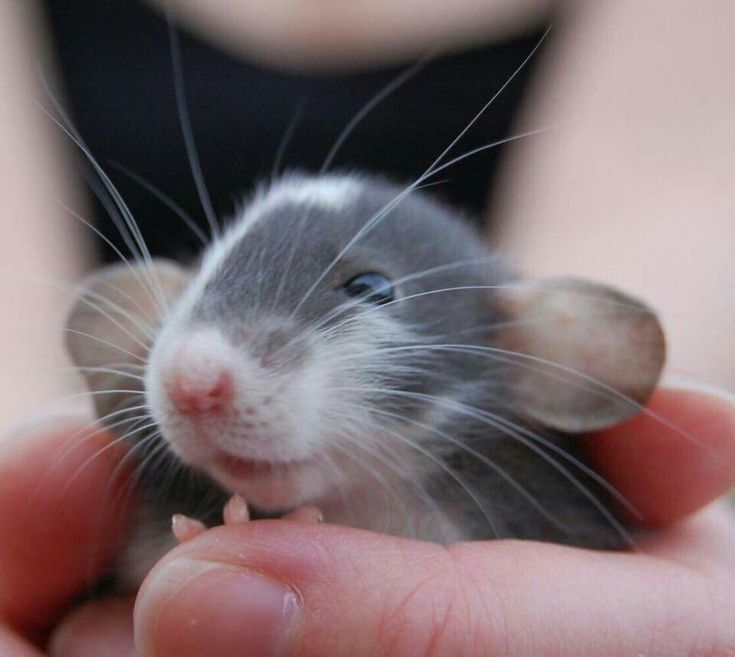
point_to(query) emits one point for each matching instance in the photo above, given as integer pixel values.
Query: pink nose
(196, 395)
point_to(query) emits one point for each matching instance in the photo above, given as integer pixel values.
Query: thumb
(274, 588)
(277, 588)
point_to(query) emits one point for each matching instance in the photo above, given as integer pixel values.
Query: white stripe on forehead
(328, 192)
(332, 192)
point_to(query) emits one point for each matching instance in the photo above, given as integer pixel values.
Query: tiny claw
(308, 514)
(185, 528)
(236, 511)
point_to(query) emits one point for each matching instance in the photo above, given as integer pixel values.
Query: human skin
(358, 593)
(42, 246)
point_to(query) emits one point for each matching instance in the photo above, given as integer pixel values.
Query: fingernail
(199, 609)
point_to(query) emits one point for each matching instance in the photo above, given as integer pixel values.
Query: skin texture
(472, 599)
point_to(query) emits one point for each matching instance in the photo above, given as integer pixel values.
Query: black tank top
(115, 63)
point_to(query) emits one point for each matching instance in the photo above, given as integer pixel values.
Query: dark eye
(370, 287)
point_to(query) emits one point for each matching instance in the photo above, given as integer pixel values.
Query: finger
(288, 589)
(704, 542)
(11, 645)
(305, 514)
(62, 512)
(101, 627)
(675, 460)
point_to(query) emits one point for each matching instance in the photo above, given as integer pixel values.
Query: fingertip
(63, 503)
(192, 608)
(101, 627)
(278, 587)
(675, 458)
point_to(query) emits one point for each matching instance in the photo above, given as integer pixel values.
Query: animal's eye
(370, 287)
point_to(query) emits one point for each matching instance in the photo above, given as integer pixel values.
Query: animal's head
(315, 338)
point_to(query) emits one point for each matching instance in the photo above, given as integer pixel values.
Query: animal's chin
(268, 485)
(237, 468)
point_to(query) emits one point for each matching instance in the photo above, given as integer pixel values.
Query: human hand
(350, 592)
(62, 514)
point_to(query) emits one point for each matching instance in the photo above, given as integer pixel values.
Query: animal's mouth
(241, 468)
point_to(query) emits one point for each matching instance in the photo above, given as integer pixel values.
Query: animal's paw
(235, 512)
(185, 528)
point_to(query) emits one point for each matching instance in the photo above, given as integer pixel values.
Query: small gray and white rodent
(352, 344)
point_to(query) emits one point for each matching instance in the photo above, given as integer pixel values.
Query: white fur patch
(334, 192)
(329, 192)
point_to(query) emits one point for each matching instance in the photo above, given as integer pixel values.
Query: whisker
(133, 270)
(186, 129)
(383, 212)
(507, 477)
(286, 140)
(129, 228)
(445, 468)
(126, 436)
(104, 370)
(163, 198)
(368, 107)
(495, 420)
(107, 343)
(497, 353)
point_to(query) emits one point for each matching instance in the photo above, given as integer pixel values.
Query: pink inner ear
(593, 354)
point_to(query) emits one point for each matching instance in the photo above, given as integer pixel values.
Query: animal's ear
(594, 353)
(111, 324)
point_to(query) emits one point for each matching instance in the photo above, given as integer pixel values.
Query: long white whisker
(378, 98)
(508, 478)
(144, 284)
(186, 129)
(500, 354)
(383, 212)
(444, 467)
(493, 98)
(496, 420)
(286, 140)
(107, 343)
(139, 247)
(163, 198)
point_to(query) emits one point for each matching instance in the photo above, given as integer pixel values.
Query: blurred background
(115, 64)
(631, 185)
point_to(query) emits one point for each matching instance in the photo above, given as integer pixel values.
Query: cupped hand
(63, 511)
(284, 588)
